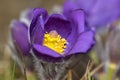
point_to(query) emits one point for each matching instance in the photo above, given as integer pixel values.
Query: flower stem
(13, 73)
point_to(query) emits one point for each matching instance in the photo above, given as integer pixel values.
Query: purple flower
(19, 31)
(55, 36)
(98, 12)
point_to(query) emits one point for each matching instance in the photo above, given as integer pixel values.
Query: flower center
(54, 41)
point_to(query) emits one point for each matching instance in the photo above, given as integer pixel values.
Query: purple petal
(38, 34)
(69, 6)
(77, 17)
(103, 13)
(72, 38)
(84, 42)
(86, 5)
(98, 13)
(38, 14)
(72, 11)
(20, 36)
(37, 25)
(42, 50)
(58, 23)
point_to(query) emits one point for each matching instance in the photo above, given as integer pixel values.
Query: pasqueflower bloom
(19, 31)
(99, 12)
(56, 37)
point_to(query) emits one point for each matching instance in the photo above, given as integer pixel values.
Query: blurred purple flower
(45, 28)
(19, 31)
(98, 12)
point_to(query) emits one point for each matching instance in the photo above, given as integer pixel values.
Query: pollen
(54, 41)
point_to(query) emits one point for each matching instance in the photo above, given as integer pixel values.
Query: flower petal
(20, 36)
(40, 14)
(68, 7)
(42, 50)
(77, 17)
(84, 42)
(37, 25)
(103, 14)
(72, 38)
(58, 23)
(85, 4)
(38, 34)
(74, 13)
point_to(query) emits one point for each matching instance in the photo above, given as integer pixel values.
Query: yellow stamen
(54, 41)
